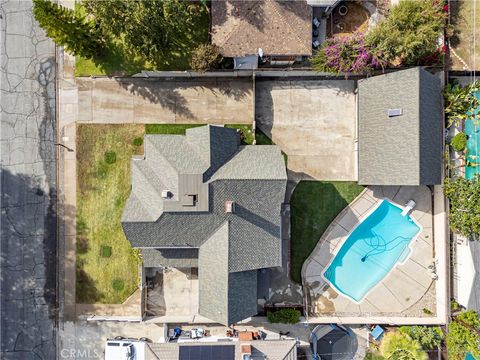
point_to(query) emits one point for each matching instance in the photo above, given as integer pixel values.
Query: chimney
(229, 206)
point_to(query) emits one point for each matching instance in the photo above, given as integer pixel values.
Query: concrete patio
(313, 122)
(406, 291)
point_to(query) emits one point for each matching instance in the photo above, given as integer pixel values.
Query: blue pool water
(472, 129)
(371, 251)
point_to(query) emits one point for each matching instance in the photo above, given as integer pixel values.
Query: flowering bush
(347, 55)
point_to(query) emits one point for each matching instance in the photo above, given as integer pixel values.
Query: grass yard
(119, 61)
(313, 206)
(464, 24)
(107, 266)
(179, 129)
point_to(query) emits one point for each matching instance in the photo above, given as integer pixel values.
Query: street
(28, 202)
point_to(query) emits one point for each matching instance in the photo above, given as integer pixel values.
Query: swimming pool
(473, 143)
(371, 250)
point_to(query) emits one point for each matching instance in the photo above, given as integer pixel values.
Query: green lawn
(107, 266)
(246, 133)
(313, 206)
(119, 61)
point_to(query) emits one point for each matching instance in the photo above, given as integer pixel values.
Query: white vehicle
(125, 349)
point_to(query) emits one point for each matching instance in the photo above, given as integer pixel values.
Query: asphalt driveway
(313, 122)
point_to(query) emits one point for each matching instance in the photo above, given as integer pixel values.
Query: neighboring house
(281, 31)
(203, 200)
(234, 350)
(400, 129)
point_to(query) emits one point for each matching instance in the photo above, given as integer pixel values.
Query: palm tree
(399, 346)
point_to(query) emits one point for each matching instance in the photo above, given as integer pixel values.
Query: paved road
(28, 221)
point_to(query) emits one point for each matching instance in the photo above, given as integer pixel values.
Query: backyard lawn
(107, 266)
(313, 206)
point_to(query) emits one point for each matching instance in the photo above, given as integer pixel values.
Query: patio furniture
(377, 332)
(316, 44)
(316, 22)
(409, 207)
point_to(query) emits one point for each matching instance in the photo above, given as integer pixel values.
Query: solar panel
(207, 352)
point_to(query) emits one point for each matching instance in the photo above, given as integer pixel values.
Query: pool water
(371, 251)
(472, 129)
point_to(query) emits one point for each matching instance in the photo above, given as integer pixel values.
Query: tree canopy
(464, 196)
(410, 33)
(66, 28)
(397, 345)
(151, 29)
(429, 337)
(463, 337)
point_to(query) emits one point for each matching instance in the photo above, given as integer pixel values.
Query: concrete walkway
(406, 285)
(153, 100)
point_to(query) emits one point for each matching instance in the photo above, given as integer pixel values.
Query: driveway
(313, 122)
(154, 100)
(28, 182)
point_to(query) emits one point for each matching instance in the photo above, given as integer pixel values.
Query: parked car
(125, 349)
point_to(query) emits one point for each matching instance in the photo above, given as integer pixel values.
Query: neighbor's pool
(472, 129)
(373, 248)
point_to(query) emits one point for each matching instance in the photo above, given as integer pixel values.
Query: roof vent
(166, 194)
(394, 112)
(229, 206)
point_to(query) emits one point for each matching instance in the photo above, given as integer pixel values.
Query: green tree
(400, 346)
(459, 100)
(410, 33)
(459, 141)
(152, 29)
(463, 336)
(429, 337)
(464, 196)
(205, 57)
(67, 29)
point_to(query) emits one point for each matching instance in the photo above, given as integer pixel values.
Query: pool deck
(406, 291)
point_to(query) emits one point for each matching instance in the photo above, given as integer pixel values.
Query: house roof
(241, 27)
(261, 349)
(405, 149)
(178, 258)
(252, 177)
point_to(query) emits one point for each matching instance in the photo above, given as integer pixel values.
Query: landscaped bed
(107, 266)
(314, 205)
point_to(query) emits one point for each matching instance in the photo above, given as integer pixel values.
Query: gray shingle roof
(253, 177)
(405, 149)
(178, 258)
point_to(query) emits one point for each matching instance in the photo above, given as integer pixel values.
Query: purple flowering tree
(346, 55)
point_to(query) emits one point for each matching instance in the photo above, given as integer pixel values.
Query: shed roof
(404, 149)
(241, 27)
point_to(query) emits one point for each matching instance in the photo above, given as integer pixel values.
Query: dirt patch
(347, 18)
